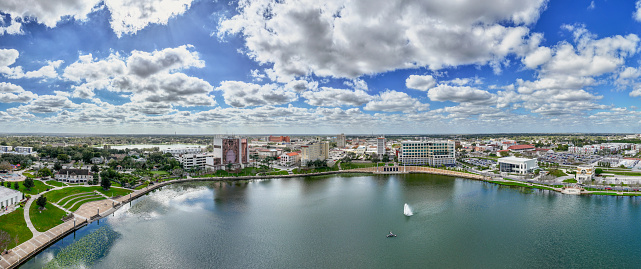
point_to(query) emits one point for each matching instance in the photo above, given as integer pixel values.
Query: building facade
(434, 153)
(340, 141)
(6, 149)
(74, 175)
(315, 151)
(178, 151)
(279, 139)
(289, 159)
(231, 150)
(584, 173)
(9, 197)
(380, 146)
(194, 161)
(517, 165)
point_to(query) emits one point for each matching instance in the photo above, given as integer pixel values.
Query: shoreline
(11, 261)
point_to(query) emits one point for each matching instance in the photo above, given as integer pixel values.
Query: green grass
(55, 183)
(279, 173)
(37, 188)
(142, 186)
(14, 224)
(570, 180)
(114, 191)
(69, 202)
(315, 170)
(159, 172)
(57, 195)
(29, 175)
(352, 165)
(557, 173)
(78, 205)
(518, 184)
(45, 219)
(623, 173)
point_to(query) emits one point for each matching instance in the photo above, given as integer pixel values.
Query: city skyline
(305, 67)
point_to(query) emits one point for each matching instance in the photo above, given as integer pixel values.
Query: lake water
(341, 222)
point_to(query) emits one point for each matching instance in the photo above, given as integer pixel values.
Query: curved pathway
(27, 206)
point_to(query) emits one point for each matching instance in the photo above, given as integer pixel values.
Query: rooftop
(4, 192)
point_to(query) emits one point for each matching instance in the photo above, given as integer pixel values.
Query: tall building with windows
(231, 150)
(434, 153)
(340, 141)
(315, 151)
(380, 146)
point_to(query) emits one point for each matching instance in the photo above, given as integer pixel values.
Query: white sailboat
(407, 210)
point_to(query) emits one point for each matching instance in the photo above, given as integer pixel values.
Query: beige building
(315, 151)
(340, 141)
(584, 173)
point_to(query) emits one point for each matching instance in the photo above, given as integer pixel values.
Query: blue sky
(295, 67)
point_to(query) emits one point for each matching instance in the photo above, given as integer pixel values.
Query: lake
(341, 221)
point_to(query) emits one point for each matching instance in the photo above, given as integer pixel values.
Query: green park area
(15, 225)
(353, 165)
(47, 218)
(247, 171)
(56, 183)
(72, 198)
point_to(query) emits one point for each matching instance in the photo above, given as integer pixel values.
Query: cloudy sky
(307, 66)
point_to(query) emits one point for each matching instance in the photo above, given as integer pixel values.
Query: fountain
(407, 210)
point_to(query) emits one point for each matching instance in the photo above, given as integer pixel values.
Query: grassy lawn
(159, 172)
(15, 225)
(557, 173)
(37, 188)
(29, 175)
(57, 195)
(45, 219)
(114, 191)
(55, 183)
(518, 184)
(352, 165)
(142, 186)
(624, 173)
(67, 202)
(315, 170)
(570, 180)
(279, 173)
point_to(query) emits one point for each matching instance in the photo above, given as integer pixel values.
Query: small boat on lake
(390, 234)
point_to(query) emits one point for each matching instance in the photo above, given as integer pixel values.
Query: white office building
(5, 149)
(195, 161)
(434, 153)
(178, 151)
(9, 197)
(517, 165)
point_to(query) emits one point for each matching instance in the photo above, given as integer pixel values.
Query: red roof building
(521, 148)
